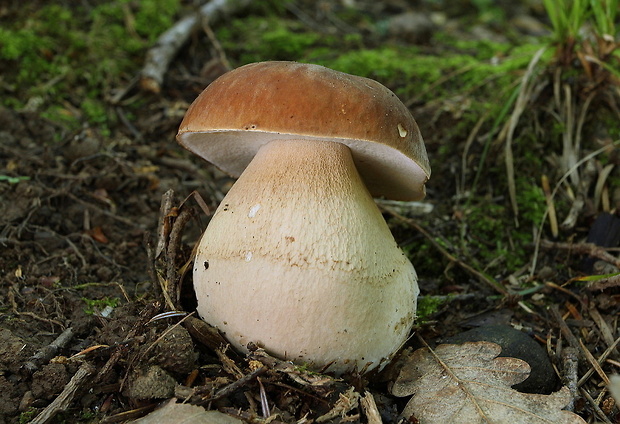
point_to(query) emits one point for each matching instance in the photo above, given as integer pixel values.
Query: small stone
(26, 402)
(150, 382)
(413, 27)
(175, 351)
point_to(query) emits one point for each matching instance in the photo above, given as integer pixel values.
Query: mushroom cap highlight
(252, 105)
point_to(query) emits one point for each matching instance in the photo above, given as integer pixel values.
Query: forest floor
(88, 158)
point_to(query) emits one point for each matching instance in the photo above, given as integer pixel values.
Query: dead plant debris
(96, 303)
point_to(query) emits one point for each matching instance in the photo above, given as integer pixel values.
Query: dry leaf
(180, 413)
(468, 383)
(98, 235)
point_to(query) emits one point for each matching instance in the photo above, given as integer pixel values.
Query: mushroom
(297, 257)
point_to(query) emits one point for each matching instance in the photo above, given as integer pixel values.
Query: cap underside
(386, 171)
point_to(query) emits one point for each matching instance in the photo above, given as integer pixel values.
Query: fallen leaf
(468, 383)
(98, 235)
(181, 413)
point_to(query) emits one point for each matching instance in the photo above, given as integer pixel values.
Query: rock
(175, 351)
(413, 27)
(516, 344)
(150, 382)
(49, 381)
(85, 144)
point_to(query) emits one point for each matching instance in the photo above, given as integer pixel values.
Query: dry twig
(369, 406)
(64, 399)
(571, 363)
(49, 351)
(165, 49)
(232, 387)
(568, 335)
(589, 249)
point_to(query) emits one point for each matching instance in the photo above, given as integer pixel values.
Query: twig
(589, 249)
(369, 406)
(204, 333)
(604, 283)
(165, 49)
(164, 225)
(479, 275)
(236, 385)
(568, 335)
(172, 253)
(294, 372)
(595, 406)
(228, 364)
(595, 365)
(132, 414)
(571, 363)
(150, 267)
(64, 399)
(600, 360)
(49, 351)
(606, 332)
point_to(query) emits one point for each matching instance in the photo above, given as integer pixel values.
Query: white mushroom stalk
(298, 259)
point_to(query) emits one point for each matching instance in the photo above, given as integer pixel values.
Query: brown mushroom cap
(260, 102)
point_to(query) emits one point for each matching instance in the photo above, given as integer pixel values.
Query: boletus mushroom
(297, 257)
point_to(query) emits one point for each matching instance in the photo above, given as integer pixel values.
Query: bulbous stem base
(298, 259)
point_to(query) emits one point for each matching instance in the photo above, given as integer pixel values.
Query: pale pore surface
(298, 259)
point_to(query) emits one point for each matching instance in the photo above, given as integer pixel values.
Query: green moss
(259, 38)
(283, 43)
(60, 115)
(28, 415)
(478, 69)
(62, 60)
(531, 200)
(428, 305)
(96, 113)
(94, 305)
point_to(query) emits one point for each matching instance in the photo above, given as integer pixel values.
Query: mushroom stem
(298, 239)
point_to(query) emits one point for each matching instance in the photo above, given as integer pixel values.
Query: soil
(79, 250)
